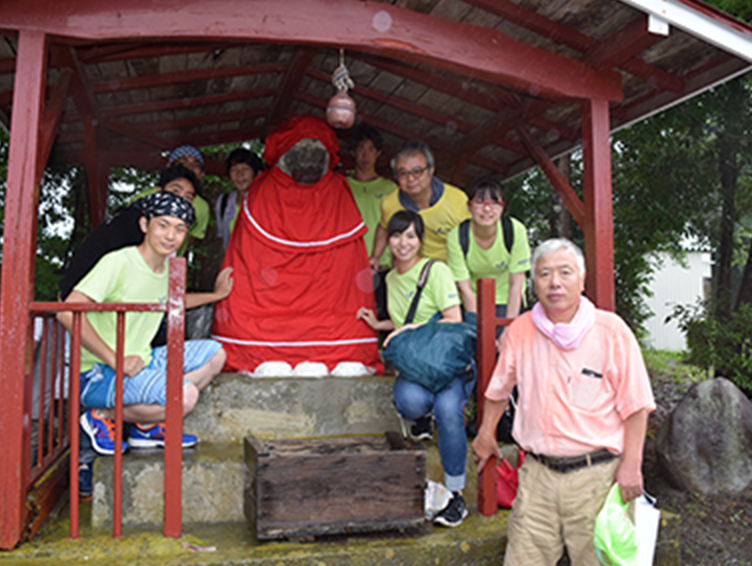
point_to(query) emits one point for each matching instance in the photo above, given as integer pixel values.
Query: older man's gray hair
(553, 245)
(411, 148)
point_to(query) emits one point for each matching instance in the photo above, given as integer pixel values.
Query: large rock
(706, 443)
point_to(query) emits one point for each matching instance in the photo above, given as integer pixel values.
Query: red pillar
(17, 271)
(598, 225)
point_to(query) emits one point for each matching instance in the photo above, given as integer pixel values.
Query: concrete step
(234, 406)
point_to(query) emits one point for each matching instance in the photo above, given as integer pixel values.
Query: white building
(675, 284)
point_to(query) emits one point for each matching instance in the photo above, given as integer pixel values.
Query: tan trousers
(552, 510)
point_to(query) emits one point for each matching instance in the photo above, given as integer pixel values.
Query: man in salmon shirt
(584, 397)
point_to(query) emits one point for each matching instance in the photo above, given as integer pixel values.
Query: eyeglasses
(489, 202)
(417, 172)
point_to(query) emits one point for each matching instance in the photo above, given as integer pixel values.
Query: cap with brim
(615, 535)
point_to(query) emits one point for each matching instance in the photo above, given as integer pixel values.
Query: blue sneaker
(101, 431)
(145, 436)
(84, 481)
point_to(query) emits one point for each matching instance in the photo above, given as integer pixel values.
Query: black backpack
(507, 230)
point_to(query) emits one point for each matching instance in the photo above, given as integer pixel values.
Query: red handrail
(486, 357)
(175, 309)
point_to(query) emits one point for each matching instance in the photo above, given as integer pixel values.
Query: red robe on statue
(301, 269)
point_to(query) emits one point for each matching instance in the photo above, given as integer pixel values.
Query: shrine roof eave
(474, 51)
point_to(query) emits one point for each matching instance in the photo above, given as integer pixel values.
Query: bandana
(163, 203)
(566, 336)
(183, 150)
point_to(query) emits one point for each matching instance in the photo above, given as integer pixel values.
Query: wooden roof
(485, 83)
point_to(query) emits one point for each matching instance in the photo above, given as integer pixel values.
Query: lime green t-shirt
(123, 276)
(198, 228)
(439, 293)
(494, 263)
(438, 220)
(368, 196)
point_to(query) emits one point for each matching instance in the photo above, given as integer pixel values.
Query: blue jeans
(413, 401)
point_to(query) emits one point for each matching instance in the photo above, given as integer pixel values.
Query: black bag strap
(507, 230)
(422, 280)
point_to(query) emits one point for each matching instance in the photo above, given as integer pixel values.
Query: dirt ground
(716, 530)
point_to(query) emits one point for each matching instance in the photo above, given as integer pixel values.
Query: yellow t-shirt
(438, 220)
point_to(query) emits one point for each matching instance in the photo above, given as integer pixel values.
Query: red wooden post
(75, 409)
(173, 457)
(486, 359)
(598, 227)
(17, 270)
(117, 480)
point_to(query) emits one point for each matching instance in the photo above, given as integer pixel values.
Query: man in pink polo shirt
(584, 397)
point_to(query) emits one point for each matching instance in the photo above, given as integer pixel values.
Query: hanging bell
(340, 111)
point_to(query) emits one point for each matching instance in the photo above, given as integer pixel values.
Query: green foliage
(723, 347)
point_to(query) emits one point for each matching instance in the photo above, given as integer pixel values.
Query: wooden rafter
(162, 79)
(466, 49)
(570, 37)
(121, 51)
(290, 83)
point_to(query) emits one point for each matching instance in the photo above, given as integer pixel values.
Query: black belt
(566, 465)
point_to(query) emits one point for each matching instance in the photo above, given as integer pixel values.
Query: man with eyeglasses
(440, 205)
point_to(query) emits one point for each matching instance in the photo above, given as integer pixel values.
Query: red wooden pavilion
(492, 85)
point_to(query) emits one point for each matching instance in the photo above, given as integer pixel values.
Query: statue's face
(306, 162)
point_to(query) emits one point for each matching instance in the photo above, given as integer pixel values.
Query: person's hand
(374, 262)
(368, 316)
(132, 365)
(223, 284)
(399, 330)
(629, 477)
(484, 447)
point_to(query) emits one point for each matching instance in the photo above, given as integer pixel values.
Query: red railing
(175, 309)
(486, 357)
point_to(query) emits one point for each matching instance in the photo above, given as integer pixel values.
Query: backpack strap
(422, 280)
(507, 229)
(465, 236)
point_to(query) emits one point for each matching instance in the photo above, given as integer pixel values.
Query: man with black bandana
(140, 274)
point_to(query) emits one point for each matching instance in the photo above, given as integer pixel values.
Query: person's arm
(369, 317)
(485, 446)
(629, 472)
(466, 294)
(379, 245)
(91, 340)
(222, 287)
(514, 299)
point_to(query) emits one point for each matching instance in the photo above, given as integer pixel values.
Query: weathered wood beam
(17, 271)
(289, 86)
(192, 75)
(621, 46)
(573, 203)
(135, 132)
(80, 91)
(366, 26)
(122, 51)
(51, 119)
(180, 103)
(7, 65)
(561, 33)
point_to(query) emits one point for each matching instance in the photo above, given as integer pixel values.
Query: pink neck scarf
(566, 336)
